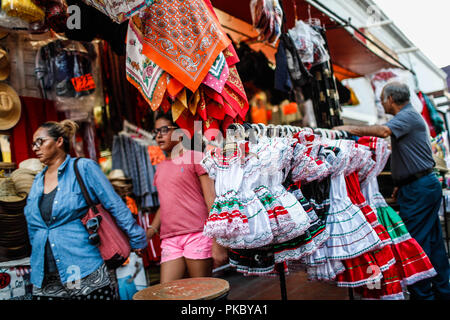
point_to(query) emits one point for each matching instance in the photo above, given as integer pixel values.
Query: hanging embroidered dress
(316, 234)
(362, 270)
(412, 262)
(258, 232)
(351, 235)
(227, 218)
(279, 154)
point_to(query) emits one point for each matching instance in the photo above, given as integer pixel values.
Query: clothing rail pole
(127, 125)
(350, 294)
(280, 269)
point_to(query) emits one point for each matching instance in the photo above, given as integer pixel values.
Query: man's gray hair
(398, 91)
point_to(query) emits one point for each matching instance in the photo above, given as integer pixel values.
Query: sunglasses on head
(92, 226)
(163, 130)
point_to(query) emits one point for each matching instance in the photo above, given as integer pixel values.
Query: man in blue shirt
(418, 191)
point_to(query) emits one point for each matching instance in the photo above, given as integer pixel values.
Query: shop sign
(13, 286)
(83, 83)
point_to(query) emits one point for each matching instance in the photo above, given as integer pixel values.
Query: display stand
(280, 269)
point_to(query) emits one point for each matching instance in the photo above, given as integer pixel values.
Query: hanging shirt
(183, 209)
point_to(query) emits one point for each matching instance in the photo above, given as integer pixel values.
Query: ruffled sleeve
(209, 164)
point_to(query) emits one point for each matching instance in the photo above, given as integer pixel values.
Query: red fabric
(357, 272)
(411, 260)
(389, 288)
(153, 251)
(34, 112)
(426, 115)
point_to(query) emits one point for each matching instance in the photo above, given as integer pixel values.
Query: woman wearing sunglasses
(65, 260)
(186, 195)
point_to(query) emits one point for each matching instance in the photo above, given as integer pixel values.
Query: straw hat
(24, 9)
(33, 164)
(8, 192)
(10, 107)
(118, 175)
(5, 65)
(23, 179)
(440, 164)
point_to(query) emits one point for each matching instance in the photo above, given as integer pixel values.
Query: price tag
(83, 83)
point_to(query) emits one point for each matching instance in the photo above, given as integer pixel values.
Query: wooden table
(186, 289)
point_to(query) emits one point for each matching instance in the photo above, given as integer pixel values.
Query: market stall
(272, 74)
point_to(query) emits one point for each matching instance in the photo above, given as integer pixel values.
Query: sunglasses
(163, 130)
(38, 143)
(92, 225)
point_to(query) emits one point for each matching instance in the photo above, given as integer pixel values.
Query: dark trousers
(419, 203)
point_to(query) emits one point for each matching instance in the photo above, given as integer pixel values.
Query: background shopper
(186, 195)
(418, 191)
(65, 263)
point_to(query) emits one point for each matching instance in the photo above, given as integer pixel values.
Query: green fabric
(437, 121)
(392, 222)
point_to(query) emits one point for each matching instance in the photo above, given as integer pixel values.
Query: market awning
(348, 50)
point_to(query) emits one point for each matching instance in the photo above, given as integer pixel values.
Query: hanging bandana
(180, 105)
(183, 38)
(119, 10)
(145, 75)
(234, 93)
(218, 74)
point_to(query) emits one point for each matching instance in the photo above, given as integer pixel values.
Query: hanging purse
(112, 242)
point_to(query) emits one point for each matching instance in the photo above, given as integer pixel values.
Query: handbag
(114, 245)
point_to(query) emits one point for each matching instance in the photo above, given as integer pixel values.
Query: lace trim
(303, 250)
(325, 272)
(418, 277)
(242, 242)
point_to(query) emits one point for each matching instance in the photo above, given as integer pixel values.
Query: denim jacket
(75, 257)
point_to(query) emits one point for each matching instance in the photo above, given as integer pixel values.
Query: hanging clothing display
(431, 116)
(132, 156)
(119, 11)
(305, 199)
(181, 60)
(411, 262)
(303, 64)
(267, 17)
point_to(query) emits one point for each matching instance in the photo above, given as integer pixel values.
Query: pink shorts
(191, 246)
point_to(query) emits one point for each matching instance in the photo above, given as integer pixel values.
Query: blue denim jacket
(75, 257)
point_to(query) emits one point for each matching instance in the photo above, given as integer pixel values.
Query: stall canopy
(351, 55)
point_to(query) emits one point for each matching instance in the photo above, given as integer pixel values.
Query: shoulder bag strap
(83, 187)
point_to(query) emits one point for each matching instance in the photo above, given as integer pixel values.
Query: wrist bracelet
(156, 230)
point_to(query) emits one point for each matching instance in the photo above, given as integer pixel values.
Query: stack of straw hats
(122, 184)
(26, 10)
(24, 176)
(14, 242)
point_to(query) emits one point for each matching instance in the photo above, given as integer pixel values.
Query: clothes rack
(128, 127)
(251, 131)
